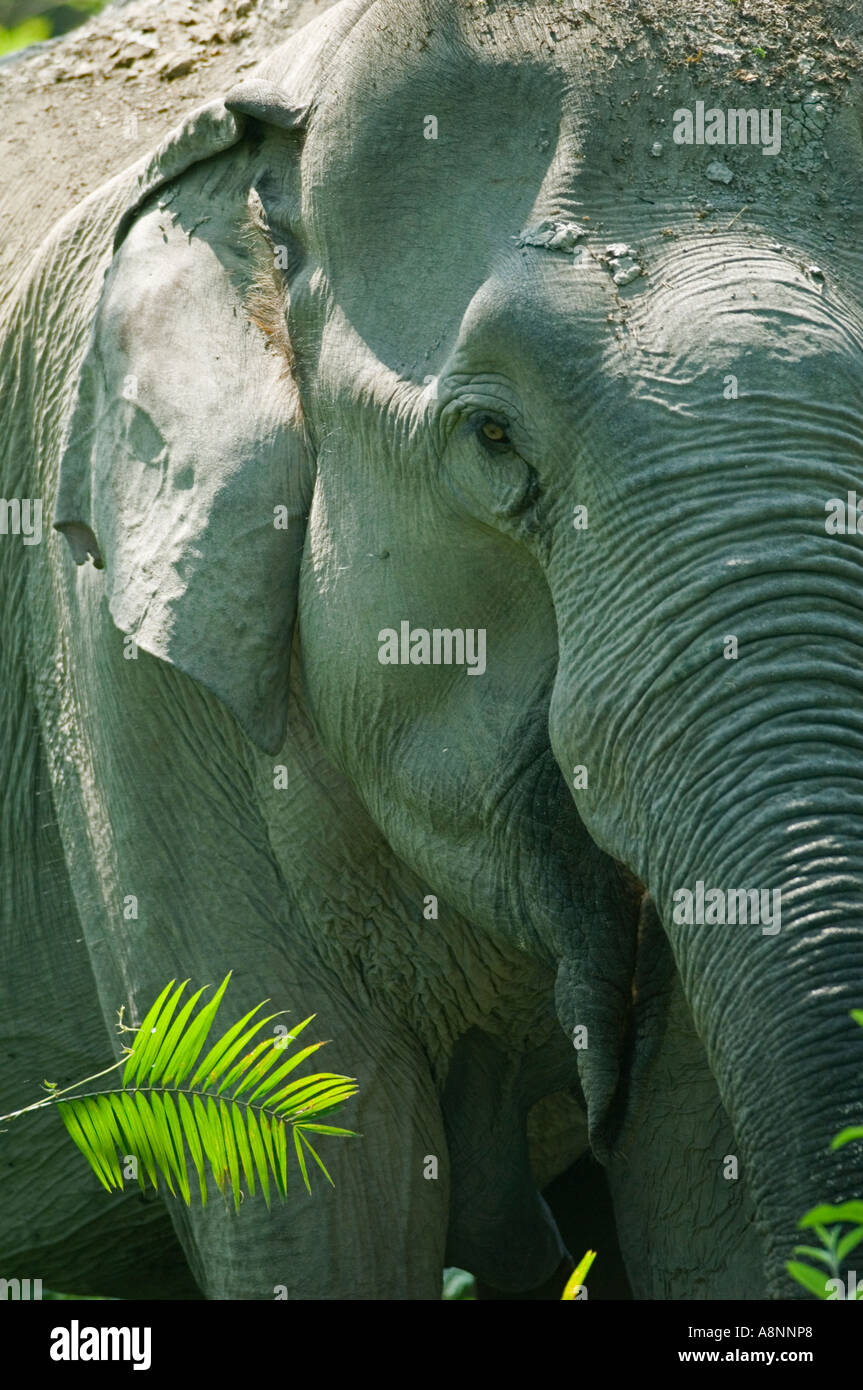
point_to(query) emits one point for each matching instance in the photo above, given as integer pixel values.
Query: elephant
(446, 619)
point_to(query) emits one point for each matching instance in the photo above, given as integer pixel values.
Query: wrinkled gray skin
(161, 415)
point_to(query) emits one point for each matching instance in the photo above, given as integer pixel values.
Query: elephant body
(320, 366)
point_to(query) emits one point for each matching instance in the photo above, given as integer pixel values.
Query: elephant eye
(493, 434)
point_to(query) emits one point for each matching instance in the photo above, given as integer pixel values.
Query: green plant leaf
(257, 1146)
(210, 1147)
(190, 1047)
(140, 1146)
(170, 1106)
(333, 1100)
(577, 1277)
(92, 1122)
(231, 1151)
(176, 1135)
(114, 1139)
(458, 1284)
(217, 1139)
(134, 1057)
(280, 1139)
(210, 1140)
(193, 1140)
(328, 1129)
(243, 1147)
(130, 1142)
(223, 1051)
(301, 1159)
(147, 1046)
(301, 1129)
(845, 1136)
(821, 1216)
(267, 1086)
(154, 1137)
(849, 1243)
(33, 30)
(825, 1256)
(70, 1120)
(811, 1279)
(160, 1069)
(300, 1097)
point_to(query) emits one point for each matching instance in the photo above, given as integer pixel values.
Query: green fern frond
(224, 1111)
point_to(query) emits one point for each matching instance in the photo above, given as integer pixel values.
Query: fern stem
(55, 1095)
(159, 1090)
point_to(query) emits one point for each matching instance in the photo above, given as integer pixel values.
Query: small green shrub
(835, 1245)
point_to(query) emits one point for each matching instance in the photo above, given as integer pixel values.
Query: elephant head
(415, 345)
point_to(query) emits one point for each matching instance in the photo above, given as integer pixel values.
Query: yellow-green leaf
(152, 1041)
(155, 1139)
(143, 1148)
(578, 1276)
(811, 1279)
(160, 1071)
(846, 1136)
(302, 1162)
(315, 1155)
(257, 1147)
(231, 1151)
(189, 1050)
(70, 1120)
(190, 1130)
(225, 1048)
(143, 1034)
(243, 1147)
(826, 1214)
(181, 1168)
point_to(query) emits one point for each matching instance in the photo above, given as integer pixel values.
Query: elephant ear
(183, 472)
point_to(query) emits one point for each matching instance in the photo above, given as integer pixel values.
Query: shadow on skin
(582, 1208)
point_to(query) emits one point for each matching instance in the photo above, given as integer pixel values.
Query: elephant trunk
(728, 776)
(766, 924)
(760, 891)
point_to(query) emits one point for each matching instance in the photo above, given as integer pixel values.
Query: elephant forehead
(422, 164)
(738, 307)
(554, 323)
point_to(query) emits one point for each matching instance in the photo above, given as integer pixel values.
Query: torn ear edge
(82, 542)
